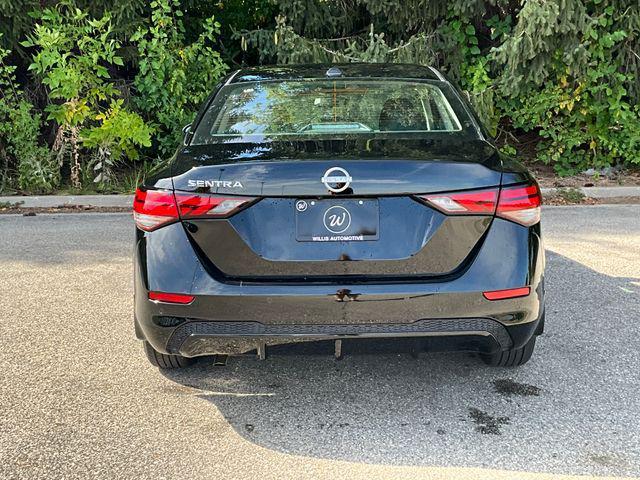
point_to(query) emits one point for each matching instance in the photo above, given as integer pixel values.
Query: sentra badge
(215, 183)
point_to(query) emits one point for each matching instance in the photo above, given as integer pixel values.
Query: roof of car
(346, 70)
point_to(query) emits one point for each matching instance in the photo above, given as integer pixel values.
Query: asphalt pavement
(78, 400)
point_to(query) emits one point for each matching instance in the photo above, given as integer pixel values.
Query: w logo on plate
(337, 219)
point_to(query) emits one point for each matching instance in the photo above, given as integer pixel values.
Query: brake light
(178, 298)
(520, 204)
(154, 208)
(509, 293)
(481, 202)
(207, 206)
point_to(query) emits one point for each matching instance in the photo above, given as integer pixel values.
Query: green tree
(72, 59)
(581, 101)
(520, 63)
(174, 76)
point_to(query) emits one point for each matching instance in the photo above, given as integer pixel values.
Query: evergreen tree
(564, 69)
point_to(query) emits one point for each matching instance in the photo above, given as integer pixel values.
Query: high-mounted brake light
(520, 204)
(164, 297)
(481, 202)
(508, 293)
(155, 208)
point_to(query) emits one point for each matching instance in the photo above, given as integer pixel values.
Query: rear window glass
(325, 107)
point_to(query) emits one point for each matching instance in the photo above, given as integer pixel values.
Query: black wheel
(163, 361)
(513, 357)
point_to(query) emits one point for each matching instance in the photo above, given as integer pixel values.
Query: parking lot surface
(79, 400)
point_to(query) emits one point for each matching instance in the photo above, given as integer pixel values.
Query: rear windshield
(325, 107)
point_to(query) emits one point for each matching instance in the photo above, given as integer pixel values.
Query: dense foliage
(72, 56)
(19, 131)
(174, 77)
(89, 90)
(560, 75)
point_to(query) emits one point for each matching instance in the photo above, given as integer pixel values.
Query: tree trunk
(75, 159)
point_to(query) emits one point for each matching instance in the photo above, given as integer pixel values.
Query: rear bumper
(194, 338)
(233, 318)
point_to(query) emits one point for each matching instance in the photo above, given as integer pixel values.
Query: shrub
(561, 74)
(72, 59)
(119, 134)
(19, 133)
(174, 76)
(585, 119)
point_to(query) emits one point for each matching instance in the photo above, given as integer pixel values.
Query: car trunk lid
(377, 167)
(391, 232)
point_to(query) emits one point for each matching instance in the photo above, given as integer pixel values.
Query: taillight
(520, 204)
(209, 206)
(480, 202)
(154, 208)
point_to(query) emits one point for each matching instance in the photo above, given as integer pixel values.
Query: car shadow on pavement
(572, 409)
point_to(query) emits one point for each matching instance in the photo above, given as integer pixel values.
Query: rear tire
(514, 357)
(164, 361)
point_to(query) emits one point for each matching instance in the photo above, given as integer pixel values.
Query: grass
(571, 195)
(10, 204)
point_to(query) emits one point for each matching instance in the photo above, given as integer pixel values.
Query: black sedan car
(338, 203)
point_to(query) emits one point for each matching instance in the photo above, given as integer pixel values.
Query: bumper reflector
(509, 293)
(178, 298)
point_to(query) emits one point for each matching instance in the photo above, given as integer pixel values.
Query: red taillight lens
(520, 204)
(509, 293)
(154, 208)
(481, 202)
(207, 206)
(164, 297)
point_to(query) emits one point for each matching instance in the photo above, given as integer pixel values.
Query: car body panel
(245, 249)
